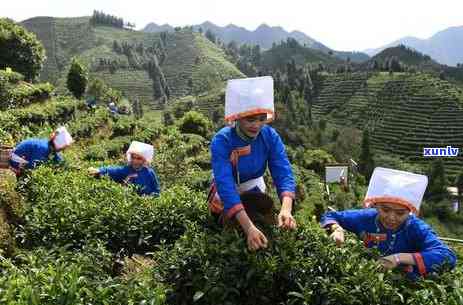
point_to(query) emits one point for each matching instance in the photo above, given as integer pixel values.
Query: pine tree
(77, 78)
(459, 185)
(160, 87)
(211, 36)
(137, 108)
(437, 187)
(308, 93)
(117, 47)
(366, 161)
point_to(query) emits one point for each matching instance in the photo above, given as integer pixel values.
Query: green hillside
(190, 63)
(405, 55)
(404, 112)
(280, 54)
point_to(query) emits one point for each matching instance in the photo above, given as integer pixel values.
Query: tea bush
(301, 267)
(196, 123)
(60, 276)
(69, 208)
(124, 126)
(16, 124)
(24, 94)
(85, 126)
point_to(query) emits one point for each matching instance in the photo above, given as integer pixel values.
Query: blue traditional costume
(144, 178)
(32, 152)
(413, 236)
(239, 162)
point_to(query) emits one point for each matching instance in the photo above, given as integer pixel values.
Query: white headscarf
(142, 149)
(394, 186)
(61, 138)
(249, 96)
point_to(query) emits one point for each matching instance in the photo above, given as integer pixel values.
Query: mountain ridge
(445, 46)
(264, 36)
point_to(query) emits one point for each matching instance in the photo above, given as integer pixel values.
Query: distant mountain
(446, 46)
(264, 36)
(155, 28)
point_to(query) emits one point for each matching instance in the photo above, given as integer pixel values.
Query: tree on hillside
(77, 78)
(459, 185)
(20, 50)
(101, 18)
(437, 186)
(394, 65)
(137, 108)
(308, 93)
(366, 161)
(292, 74)
(211, 36)
(256, 56)
(233, 52)
(96, 88)
(160, 87)
(130, 25)
(117, 47)
(375, 65)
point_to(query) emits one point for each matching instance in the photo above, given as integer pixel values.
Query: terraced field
(44, 28)
(192, 65)
(404, 113)
(132, 83)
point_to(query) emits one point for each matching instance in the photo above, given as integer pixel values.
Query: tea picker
(137, 172)
(31, 152)
(240, 155)
(389, 223)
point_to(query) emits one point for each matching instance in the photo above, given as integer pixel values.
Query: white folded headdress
(142, 149)
(61, 138)
(394, 186)
(249, 96)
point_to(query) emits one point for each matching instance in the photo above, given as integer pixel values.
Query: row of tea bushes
(70, 208)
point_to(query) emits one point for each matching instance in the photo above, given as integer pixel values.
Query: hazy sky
(339, 24)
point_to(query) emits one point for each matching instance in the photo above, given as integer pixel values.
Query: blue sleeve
(432, 253)
(116, 173)
(280, 168)
(353, 221)
(223, 176)
(153, 187)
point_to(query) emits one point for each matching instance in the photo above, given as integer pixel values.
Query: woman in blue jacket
(389, 223)
(137, 172)
(32, 152)
(241, 154)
